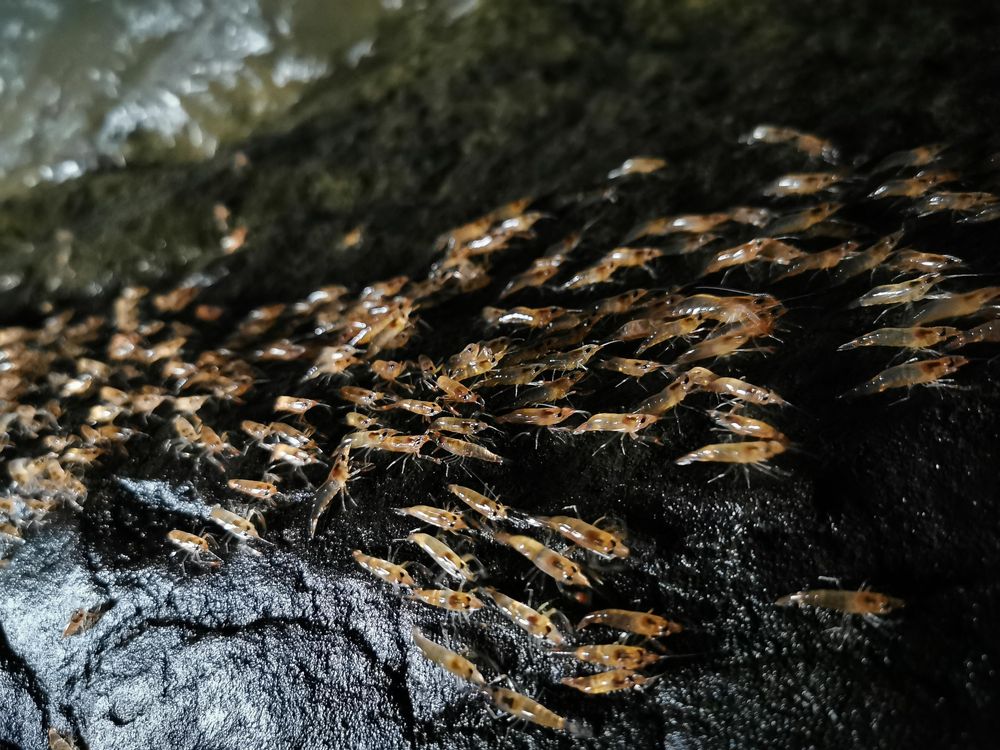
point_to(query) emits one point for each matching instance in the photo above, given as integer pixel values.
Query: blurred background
(88, 82)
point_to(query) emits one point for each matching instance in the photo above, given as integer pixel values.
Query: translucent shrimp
(483, 505)
(811, 145)
(465, 449)
(901, 293)
(800, 221)
(741, 390)
(848, 602)
(529, 317)
(662, 402)
(924, 372)
(762, 248)
(913, 187)
(263, 491)
(448, 660)
(194, 547)
(527, 709)
(459, 425)
(916, 261)
(449, 561)
(632, 368)
(717, 346)
(84, 619)
(513, 375)
(802, 183)
(589, 537)
(334, 486)
(819, 261)
(747, 426)
(528, 619)
(914, 157)
(549, 392)
(615, 656)
(414, 406)
(443, 519)
(611, 681)
(389, 572)
(547, 416)
(988, 332)
(550, 562)
(453, 601)
(690, 223)
(629, 424)
(756, 452)
(361, 396)
(640, 623)
(295, 405)
(956, 305)
(456, 392)
(866, 260)
(637, 165)
(234, 524)
(915, 337)
(954, 201)
(619, 304)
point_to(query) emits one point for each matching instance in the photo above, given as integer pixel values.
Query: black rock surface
(298, 647)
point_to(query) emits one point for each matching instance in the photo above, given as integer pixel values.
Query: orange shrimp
(924, 372)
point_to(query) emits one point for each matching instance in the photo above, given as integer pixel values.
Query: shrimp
(454, 601)
(802, 183)
(369, 438)
(915, 261)
(718, 346)
(459, 425)
(800, 221)
(665, 330)
(544, 417)
(530, 620)
(464, 449)
(361, 396)
(811, 145)
(691, 223)
(389, 572)
(194, 547)
(295, 405)
(619, 304)
(913, 187)
(640, 623)
(607, 682)
(956, 305)
(760, 248)
(450, 562)
(637, 165)
(743, 391)
(333, 360)
(820, 261)
(84, 619)
(916, 337)
(615, 656)
(740, 425)
(548, 392)
(662, 402)
(629, 424)
(360, 421)
(483, 505)
(257, 490)
(527, 709)
(928, 371)
(334, 486)
(443, 519)
(633, 368)
(848, 602)
(749, 452)
(914, 157)
(390, 371)
(550, 562)
(456, 392)
(513, 375)
(234, 524)
(988, 332)
(530, 317)
(904, 292)
(448, 660)
(414, 406)
(587, 536)
(952, 201)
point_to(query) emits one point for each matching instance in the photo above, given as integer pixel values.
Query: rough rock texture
(299, 648)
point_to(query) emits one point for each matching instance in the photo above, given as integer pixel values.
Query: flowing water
(91, 82)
